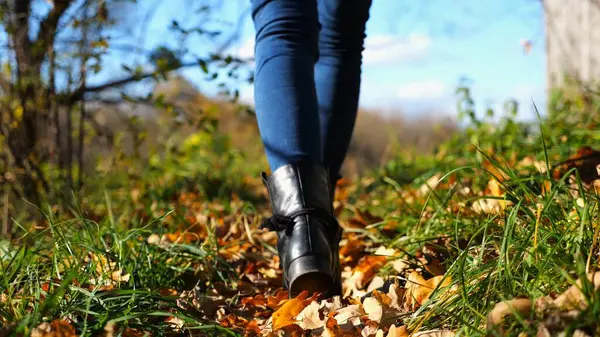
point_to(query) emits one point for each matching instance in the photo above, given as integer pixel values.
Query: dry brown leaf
(418, 289)
(257, 301)
(109, 329)
(175, 322)
(573, 298)
(350, 314)
(252, 328)
(56, 328)
(429, 185)
(400, 265)
(363, 274)
(310, 318)
(491, 206)
(351, 248)
(286, 315)
(396, 295)
(332, 329)
(130, 332)
(376, 283)
(274, 302)
(397, 331)
(522, 306)
(378, 308)
(370, 330)
(367, 268)
(332, 304)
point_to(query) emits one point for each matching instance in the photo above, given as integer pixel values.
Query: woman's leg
(338, 75)
(287, 33)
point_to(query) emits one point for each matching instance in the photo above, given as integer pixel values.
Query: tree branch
(78, 94)
(20, 26)
(49, 25)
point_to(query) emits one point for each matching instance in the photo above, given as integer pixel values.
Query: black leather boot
(308, 232)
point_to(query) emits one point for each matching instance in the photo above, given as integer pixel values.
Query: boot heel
(311, 273)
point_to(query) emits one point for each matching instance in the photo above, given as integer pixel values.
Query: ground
(496, 233)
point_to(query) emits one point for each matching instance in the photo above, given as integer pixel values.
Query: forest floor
(497, 236)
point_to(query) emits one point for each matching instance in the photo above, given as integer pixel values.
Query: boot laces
(279, 222)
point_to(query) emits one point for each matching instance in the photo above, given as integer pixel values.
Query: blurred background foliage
(75, 126)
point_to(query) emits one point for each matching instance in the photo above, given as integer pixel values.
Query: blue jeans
(308, 70)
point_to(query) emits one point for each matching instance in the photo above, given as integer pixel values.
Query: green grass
(537, 246)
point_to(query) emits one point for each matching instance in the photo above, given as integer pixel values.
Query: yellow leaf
(418, 289)
(286, 315)
(102, 43)
(18, 114)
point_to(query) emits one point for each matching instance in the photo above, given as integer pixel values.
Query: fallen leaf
(396, 295)
(400, 265)
(274, 302)
(573, 298)
(370, 330)
(258, 301)
(56, 328)
(498, 174)
(332, 329)
(429, 185)
(418, 289)
(378, 308)
(397, 331)
(252, 327)
(364, 272)
(496, 317)
(350, 314)
(130, 332)
(376, 283)
(176, 322)
(309, 318)
(286, 315)
(331, 305)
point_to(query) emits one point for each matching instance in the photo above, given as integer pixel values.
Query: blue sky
(416, 52)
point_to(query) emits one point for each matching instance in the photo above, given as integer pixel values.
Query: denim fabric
(308, 69)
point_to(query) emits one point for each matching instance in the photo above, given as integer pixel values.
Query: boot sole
(311, 273)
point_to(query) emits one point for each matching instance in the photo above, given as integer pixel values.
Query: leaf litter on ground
(466, 252)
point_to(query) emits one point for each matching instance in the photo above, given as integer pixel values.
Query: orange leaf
(397, 332)
(497, 173)
(274, 302)
(367, 267)
(252, 327)
(257, 301)
(332, 329)
(286, 315)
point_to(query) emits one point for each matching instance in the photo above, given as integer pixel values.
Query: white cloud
(384, 49)
(379, 49)
(247, 94)
(245, 50)
(429, 89)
